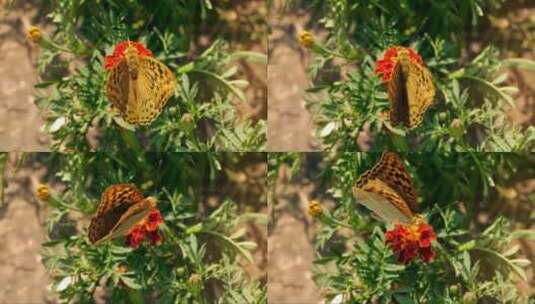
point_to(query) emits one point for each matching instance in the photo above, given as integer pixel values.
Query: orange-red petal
(118, 53)
(385, 66)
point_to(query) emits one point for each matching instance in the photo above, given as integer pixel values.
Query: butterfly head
(131, 56)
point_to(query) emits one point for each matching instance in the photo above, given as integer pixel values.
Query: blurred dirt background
(290, 241)
(23, 278)
(20, 122)
(290, 126)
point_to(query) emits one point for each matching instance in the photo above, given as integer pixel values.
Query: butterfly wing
(383, 201)
(132, 216)
(114, 203)
(397, 94)
(117, 86)
(154, 87)
(420, 92)
(390, 170)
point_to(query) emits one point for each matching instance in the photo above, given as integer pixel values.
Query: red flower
(148, 227)
(155, 238)
(135, 237)
(411, 241)
(118, 53)
(385, 66)
(154, 219)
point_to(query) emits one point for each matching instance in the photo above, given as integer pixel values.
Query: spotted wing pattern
(411, 92)
(390, 179)
(114, 204)
(141, 92)
(153, 89)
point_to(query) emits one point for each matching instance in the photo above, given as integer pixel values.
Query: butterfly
(139, 87)
(122, 206)
(387, 190)
(410, 90)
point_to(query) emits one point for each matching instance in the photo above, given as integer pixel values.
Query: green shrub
(205, 241)
(202, 116)
(466, 197)
(472, 96)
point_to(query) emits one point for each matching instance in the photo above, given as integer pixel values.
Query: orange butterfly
(410, 90)
(387, 190)
(121, 207)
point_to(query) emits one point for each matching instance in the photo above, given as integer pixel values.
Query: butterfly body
(139, 87)
(411, 91)
(122, 206)
(387, 190)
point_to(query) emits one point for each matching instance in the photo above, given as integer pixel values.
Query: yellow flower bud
(187, 118)
(194, 279)
(42, 192)
(306, 39)
(34, 34)
(470, 298)
(457, 128)
(122, 268)
(314, 208)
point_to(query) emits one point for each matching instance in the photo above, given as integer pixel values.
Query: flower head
(153, 220)
(122, 268)
(314, 208)
(119, 51)
(135, 237)
(194, 279)
(385, 66)
(411, 241)
(146, 228)
(155, 238)
(42, 192)
(306, 39)
(34, 34)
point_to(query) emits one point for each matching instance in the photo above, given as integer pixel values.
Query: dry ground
(20, 122)
(290, 244)
(290, 126)
(23, 277)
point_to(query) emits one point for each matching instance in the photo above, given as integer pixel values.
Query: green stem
(131, 140)
(133, 143)
(135, 296)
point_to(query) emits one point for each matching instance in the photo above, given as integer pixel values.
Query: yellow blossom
(122, 268)
(42, 192)
(194, 279)
(306, 39)
(457, 128)
(314, 208)
(34, 34)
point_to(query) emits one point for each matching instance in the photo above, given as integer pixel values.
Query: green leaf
(492, 88)
(254, 57)
(130, 282)
(519, 63)
(230, 243)
(222, 81)
(64, 283)
(500, 258)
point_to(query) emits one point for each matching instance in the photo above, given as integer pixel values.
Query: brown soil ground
(23, 277)
(290, 126)
(20, 122)
(290, 244)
